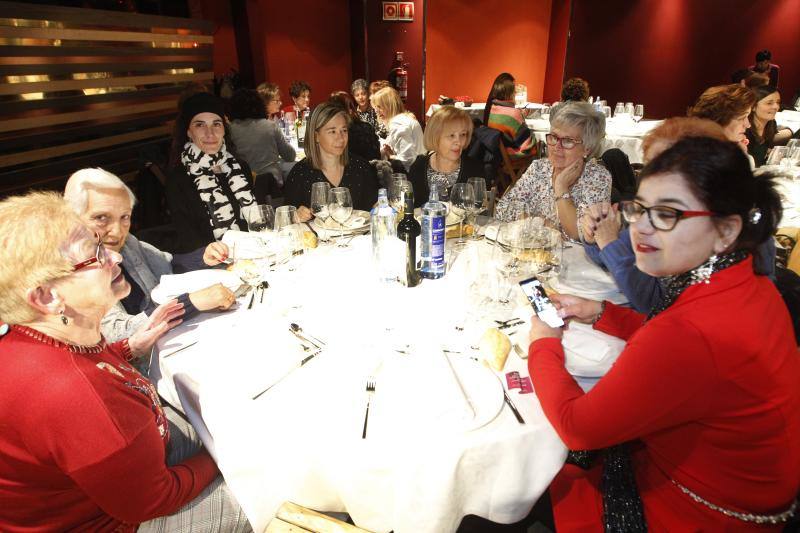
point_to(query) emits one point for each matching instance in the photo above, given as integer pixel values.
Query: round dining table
(342, 393)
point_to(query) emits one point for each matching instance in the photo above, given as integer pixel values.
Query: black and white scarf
(212, 175)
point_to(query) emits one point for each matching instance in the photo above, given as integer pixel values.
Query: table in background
(789, 118)
(301, 441)
(477, 108)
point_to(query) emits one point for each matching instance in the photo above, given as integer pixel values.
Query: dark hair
(763, 55)
(741, 74)
(190, 107)
(247, 103)
(575, 90)
(756, 79)
(718, 174)
(771, 127)
(502, 89)
(297, 87)
(343, 99)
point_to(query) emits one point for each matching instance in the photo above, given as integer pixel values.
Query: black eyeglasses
(661, 217)
(100, 257)
(567, 143)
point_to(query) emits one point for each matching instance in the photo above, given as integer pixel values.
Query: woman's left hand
(165, 317)
(215, 253)
(304, 214)
(540, 330)
(565, 179)
(387, 151)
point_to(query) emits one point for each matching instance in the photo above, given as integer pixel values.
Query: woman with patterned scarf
(207, 185)
(699, 418)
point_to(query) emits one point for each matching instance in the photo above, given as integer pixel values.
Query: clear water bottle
(384, 234)
(432, 264)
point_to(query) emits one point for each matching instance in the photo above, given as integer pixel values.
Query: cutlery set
(298, 332)
(257, 289)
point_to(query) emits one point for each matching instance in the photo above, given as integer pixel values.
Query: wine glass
(503, 266)
(462, 200)
(340, 207)
(619, 109)
(319, 201)
(479, 204)
(397, 196)
(290, 239)
(260, 218)
(629, 109)
(638, 113)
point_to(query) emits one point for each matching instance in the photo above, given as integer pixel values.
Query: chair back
(511, 169)
(623, 179)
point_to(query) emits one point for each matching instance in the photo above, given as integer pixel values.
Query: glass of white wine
(319, 203)
(340, 207)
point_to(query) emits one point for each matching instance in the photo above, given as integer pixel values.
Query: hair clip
(754, 215)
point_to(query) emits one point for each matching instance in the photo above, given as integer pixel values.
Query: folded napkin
(355, 221)
(247, 245)
(173, 285)
(588, 352)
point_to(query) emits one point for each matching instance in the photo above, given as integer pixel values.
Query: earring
(702, 274)
(64, 319)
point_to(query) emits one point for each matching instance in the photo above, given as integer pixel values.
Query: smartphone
(542, 305)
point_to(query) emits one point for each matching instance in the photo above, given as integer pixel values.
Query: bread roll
(309, 240)
(495, 347)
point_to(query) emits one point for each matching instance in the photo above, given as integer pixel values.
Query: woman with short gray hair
(360, 91)
(562, 186)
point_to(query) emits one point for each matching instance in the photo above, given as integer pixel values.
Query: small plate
(332, 225)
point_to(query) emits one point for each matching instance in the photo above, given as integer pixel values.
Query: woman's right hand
(576, 308)
(304, 214)
(215, 297)
(565, 179)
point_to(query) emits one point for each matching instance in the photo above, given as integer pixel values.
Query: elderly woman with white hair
(105, 204)
(562, 186)
(86, 444)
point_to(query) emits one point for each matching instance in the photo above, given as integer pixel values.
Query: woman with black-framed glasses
(86, 444)
(699, 418)
(562, 186)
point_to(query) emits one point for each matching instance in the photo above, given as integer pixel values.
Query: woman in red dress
(705, 397)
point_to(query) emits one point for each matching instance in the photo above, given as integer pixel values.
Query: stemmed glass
(397, 196)
(319, 201)
(479, 204)
(503, 267)
(638, 113)
(340, 207)
(289, 237)
(462, 200)
(260, 218)
(619, 109)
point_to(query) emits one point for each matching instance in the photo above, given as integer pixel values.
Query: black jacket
(418, 175)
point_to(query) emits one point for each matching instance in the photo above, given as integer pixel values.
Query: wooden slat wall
(86, 87)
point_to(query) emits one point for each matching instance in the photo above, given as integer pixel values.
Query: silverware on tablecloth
(286, 375)
(513, 407)
(370, 392)
(252, 298)
(296, 329)
(173, 352)
(519, 322)
(519, 351)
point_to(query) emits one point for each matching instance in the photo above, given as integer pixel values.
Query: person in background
(300, 92)
(404, 141)
(207, 186)
(258, 141)
(560, 187)
(270, 93)
(764, 65)
(447, 135)
(361, 138)
(86, 444)
(764, 132)
(573, 90)
(700, 415)
(501, 114)
(104, 203)
(729, 106)
(360, 91)
(608, 243)
(377, 85)
(327, 159)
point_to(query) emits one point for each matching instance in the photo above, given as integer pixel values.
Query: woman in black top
(327, 159)
(362, 139)
(447, 135)
(207, 186)
(764, 132)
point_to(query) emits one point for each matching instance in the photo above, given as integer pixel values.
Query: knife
(513, 408)
(302, 362)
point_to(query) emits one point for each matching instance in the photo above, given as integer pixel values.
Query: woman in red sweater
(83, 437)
(700, 415)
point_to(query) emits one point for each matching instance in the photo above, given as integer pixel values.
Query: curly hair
(723, 103)
(346, 101)
(575, 89)
(298, 87)
(268, 91)
(247, 103)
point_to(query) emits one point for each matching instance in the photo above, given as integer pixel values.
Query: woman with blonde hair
(86, 444)
(447, 136)
(327, 160)
(404, 140)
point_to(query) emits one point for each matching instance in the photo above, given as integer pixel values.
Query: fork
(370, 392)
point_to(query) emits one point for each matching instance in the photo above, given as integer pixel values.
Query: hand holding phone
(542, 305)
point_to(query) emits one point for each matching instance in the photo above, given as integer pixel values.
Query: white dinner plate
(176, 284)
(358, 221)
(451, 220)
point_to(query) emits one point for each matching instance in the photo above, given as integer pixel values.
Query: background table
(301, 441)
(476, 109)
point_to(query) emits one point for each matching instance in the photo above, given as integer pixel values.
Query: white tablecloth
(620, 133)
(789, 119)
(301, 441)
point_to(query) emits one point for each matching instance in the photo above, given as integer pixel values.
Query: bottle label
(437, 242)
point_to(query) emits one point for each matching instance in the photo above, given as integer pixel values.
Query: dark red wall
(664, 53)
(384, 38)
(556, 50)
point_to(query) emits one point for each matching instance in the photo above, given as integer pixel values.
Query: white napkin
(172, 285)
(246, 245)
(355, 221)
(588, 352)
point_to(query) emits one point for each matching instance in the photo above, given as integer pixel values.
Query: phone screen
(542, 305)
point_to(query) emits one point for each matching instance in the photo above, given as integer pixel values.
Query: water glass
(398, 190)
(619, 110)
(340, 207)
(638, 113)
(480, 204)
(607, 111)
(629, 108)
(260, 218)
(319, 200)
(462, 200)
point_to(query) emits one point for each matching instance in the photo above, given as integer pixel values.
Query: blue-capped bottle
(432, 264)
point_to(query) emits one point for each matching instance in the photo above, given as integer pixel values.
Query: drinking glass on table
(480, 203)
(503, 267)
(619, 109)
(289, 236)
(397, 196)
(462, 200)
(340, 207)
(629, 108)
(260, 218)
(638, 113)
(319, 201)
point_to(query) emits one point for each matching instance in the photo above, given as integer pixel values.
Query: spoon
(297, 329)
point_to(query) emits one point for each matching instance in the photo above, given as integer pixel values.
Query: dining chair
(297, 519)
(511, 169)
